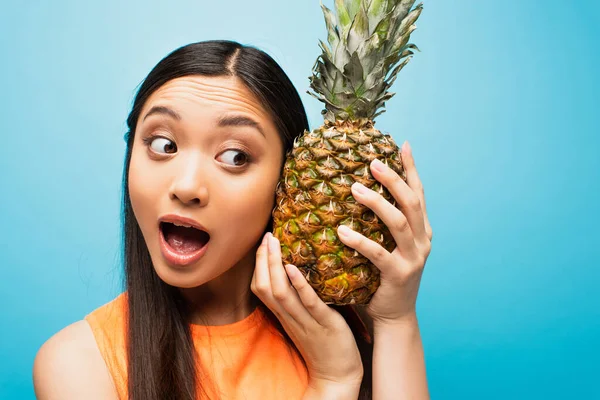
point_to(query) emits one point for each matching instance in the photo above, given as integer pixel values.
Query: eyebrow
(163, 111)
(240, 120)
(224, 121)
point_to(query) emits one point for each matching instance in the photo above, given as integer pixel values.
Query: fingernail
(377, 165)
(344, 230)
(264, 241)
(272, 243)
(291, 271)
(359, 188)
(406, 148)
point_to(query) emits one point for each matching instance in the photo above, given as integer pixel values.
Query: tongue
(185, 240)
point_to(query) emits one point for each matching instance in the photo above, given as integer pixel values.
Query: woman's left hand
(401, 270)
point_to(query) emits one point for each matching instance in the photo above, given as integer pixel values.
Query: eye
(159, 144)
(235, 157)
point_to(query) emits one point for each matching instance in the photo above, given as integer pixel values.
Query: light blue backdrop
(501, 108)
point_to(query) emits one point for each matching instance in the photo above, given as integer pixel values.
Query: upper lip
(178, 219)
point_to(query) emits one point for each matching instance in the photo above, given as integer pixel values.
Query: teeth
(180, 224)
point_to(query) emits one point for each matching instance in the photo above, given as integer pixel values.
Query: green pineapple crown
(369, 46)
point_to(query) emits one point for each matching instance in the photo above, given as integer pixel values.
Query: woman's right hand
(320, 333)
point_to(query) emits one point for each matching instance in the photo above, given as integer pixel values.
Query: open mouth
(183, 240)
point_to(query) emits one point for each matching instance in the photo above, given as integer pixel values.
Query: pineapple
(368, 46)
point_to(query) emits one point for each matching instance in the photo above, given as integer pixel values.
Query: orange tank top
(248, 359)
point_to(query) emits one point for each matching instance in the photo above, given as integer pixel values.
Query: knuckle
(414, 203)
(402, 224)
(379, 253)
(261, 289)
(279, 295)
(311, 304)
(256, 292)
(427, 249)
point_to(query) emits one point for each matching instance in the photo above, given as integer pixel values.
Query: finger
(261, 280)
(311, 301)
(283, 293)
(392, 217)
(379, 256)
(414, 182)
(407, 199)
(258, 277)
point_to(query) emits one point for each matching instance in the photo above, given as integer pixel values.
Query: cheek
(249, 205)
(141, 191)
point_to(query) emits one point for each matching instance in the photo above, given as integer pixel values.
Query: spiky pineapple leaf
(394, 74)
(386, 96)
(343, 18)
(406, 53)
(325, 49)
(404, 6)
(377, 8)
(377, 12)
(377, 114)
(359, 31)
(331, 24)
(400, 21)
(367, 49)
(342, 12)
(341, 55)
(353, 6)
(410, 19)
(376, 75)
(354, 69)
(381, 28)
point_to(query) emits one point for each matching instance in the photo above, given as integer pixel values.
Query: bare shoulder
(69, 366)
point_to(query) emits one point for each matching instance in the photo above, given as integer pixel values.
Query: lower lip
(175, 258)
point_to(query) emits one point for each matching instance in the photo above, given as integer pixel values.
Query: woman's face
(204, 149)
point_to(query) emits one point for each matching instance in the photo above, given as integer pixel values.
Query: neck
(226, 299)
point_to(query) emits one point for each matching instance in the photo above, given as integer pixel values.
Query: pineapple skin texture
(314, 197)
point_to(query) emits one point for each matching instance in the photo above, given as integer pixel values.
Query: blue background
(501, 109)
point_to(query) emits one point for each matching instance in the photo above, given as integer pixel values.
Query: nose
(189, 185)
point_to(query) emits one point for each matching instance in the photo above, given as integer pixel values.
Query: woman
(209, 311)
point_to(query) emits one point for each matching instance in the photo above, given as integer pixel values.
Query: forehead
(193, 96)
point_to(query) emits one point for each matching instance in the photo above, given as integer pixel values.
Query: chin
(183, 278)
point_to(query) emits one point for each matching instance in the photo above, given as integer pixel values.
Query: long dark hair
(160, 351)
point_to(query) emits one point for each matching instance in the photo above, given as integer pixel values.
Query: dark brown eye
(235, 157)
(161, 144)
